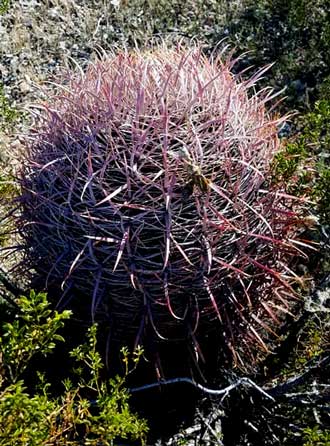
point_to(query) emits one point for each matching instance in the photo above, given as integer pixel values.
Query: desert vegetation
(173, 202)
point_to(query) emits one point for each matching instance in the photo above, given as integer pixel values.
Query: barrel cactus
(147, 202)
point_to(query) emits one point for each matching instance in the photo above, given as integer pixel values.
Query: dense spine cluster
(147, 201)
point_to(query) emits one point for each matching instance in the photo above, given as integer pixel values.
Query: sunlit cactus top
(147, 201)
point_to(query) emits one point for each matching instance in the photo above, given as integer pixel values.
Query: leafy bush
(303, 162)
(316, 437)
(294, 34)
(4, 5)
(20, 342)
(8, 114)
(36, 417)
(322, 192)
(316, 132)
(290, 164)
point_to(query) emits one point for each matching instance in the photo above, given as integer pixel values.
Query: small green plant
(34, 331)
(7, 187)
(316, 127)
(289, 166)
(4, 5)
(316, 437)
(303, 162)
(322, 192)
(287, 161)
(317, 135)
(113, 418)
(34, 416)
(8, 114)
(312, 343)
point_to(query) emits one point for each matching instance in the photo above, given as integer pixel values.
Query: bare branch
(245, 382)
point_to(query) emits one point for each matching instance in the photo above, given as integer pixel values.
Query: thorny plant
(146, 189)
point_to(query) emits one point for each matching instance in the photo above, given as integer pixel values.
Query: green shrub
(4, 5)
(34, 331)
(322, 192)
(294, 34)
(8, 114)
(288, 166)
(303, 162)
(34, 416)
(316, 437)
(315, 134)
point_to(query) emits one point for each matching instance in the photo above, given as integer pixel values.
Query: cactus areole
(147, 201)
